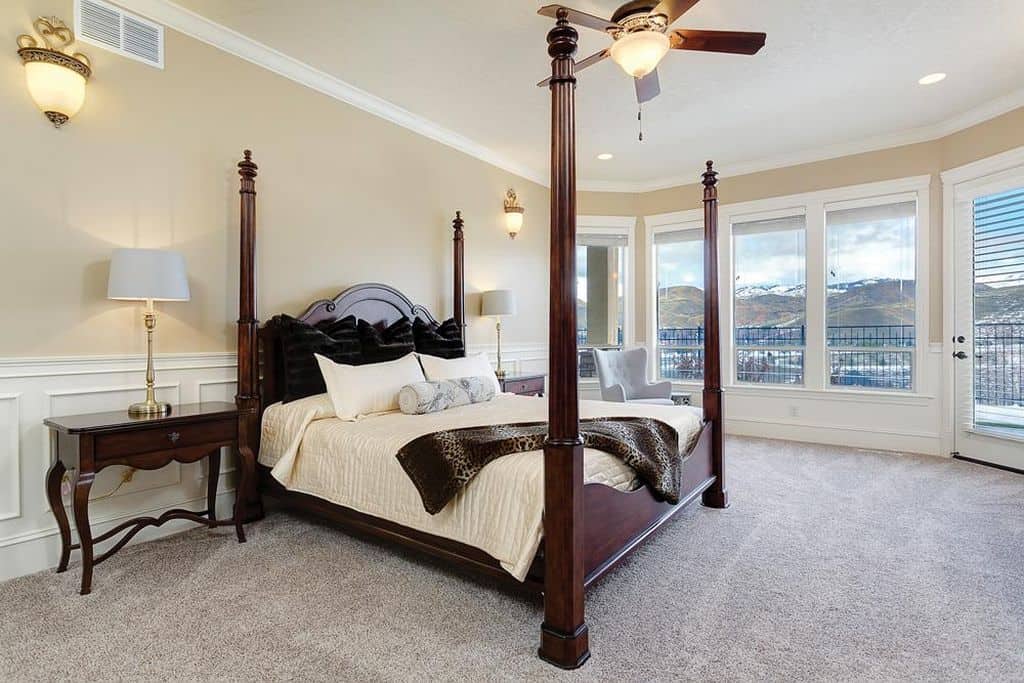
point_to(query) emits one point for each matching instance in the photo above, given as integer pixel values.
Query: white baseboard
(854, 437)
(32, 389)
(39, 550)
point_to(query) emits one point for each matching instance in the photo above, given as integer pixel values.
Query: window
(600, 295)
(825, 291)
(770, 299)
(679, 304)
(870, 297)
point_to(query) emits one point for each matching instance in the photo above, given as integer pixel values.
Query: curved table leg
(54, 477)
(247, 471)
(212, 479)
(83, 483)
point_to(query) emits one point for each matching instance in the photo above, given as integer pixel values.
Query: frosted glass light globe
(640, 52)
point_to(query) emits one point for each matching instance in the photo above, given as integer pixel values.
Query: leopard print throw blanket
(440, 464)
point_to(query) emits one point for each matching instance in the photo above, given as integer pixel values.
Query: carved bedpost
(459, 271)
(716, 496)
(248, 397)
(564, 638)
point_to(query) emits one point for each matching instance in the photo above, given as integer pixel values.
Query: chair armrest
(615, 392)
(656, 390)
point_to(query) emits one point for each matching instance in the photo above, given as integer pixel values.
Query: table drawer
(163, 438)
(532, 385)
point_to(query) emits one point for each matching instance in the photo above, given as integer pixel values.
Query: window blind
(999, 237)
(593, 240)
(772, 225)
(672, 236)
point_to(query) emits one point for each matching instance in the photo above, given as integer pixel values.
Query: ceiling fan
(642, 38)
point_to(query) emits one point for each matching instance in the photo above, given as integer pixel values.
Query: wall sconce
(56, 80)
(513, 214)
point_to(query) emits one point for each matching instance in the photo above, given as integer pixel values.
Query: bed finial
(458, 279)
(246, 167)
(710, 177)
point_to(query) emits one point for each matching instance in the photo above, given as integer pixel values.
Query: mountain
(865, 302)
(999, 304)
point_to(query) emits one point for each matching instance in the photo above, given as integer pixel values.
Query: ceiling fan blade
(733, 42)
(673, 9)
(582, 64)
(648, 87)
(580, 18)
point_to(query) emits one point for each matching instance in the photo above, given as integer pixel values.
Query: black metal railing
(585, 363)
(999, 364)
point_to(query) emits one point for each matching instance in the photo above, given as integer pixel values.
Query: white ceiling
(834, 75)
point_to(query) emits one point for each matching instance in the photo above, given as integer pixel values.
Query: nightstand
(524, 385)
(90, 443)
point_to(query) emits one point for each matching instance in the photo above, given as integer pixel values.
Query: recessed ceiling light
(605, 156)
(932, 79)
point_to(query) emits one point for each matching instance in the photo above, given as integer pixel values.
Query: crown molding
(219, 36)
(223, 38)
(972, 117)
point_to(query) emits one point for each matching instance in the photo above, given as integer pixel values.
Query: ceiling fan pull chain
(640, 120)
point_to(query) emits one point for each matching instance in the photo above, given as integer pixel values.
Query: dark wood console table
(90, 443)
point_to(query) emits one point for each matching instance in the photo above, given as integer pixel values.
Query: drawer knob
(174, 436)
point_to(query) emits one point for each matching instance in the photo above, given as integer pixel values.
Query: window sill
(850, 395)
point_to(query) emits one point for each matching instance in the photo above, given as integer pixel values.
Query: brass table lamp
(496, 303)
(148, 275)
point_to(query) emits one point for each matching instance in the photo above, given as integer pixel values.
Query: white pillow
(476, 365)
(358, 390)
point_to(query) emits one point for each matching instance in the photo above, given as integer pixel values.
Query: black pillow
(391, 343)
(335, 339)
(443, 341)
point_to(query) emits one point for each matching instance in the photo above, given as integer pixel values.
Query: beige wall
(927, 158)
(344, 197)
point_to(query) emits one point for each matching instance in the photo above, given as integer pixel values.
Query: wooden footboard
(616, 522)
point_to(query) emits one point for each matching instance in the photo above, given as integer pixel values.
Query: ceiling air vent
(108, 26)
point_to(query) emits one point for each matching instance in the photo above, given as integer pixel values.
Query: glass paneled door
(988, 337)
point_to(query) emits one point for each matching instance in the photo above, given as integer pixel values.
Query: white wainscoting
(32, 389)
(35, 388)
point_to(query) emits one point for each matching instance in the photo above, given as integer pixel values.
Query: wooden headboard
(260, 364)
(376, 303)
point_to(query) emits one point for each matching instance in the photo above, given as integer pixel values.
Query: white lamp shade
(498, 302)
(144, 274)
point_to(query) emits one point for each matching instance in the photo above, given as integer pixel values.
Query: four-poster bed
(574, 553)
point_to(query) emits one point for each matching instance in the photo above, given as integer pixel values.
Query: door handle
(959, 339)
(960, 355)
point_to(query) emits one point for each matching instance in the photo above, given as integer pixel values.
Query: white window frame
(652, 227)
(812, 205)
(616, 226)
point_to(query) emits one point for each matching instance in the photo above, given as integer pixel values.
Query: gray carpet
(831, 564)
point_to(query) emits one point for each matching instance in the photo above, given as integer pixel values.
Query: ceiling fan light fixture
(639, 52)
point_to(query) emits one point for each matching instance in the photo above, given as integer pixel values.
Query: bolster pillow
(419, 398)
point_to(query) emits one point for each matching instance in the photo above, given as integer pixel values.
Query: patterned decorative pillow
(443, 341)
(391, 343)
(433, 397)
(337, 340)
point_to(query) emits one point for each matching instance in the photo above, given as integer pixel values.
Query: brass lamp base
(148, 409)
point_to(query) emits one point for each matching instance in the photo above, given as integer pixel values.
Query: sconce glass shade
(514, 222)
(639, 53)
(58, 91)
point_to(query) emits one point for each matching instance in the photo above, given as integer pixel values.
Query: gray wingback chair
(623, 378)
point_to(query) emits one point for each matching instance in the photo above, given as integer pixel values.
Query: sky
(856, 251)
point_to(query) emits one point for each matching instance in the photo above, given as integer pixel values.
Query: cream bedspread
(500, 511)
